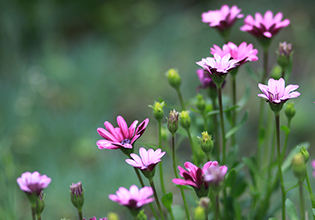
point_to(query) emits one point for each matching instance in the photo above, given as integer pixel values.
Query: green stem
(217, 207)
(80, 214)
(176, 175)
(310, 192)
(277, 117)
(302, 207)
(160, 164)
(205, 121)
(282, 73)
(33, 207)
(264, 76)
(216, 130)
(195, 159)
(39, 217)
(222, 124)
(233, 140)
(182, 103)
(156, 198)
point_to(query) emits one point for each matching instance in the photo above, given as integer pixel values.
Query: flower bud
(201, 105)
(172, 121)
(76, 193)
(185, 120)
(141, 216)
(158, 110)
(284, 55)
(199, 213)
(204, 202)
(173, 78)
(289, 111)
(305, 154)
(299, 166)
(40, 204)
(112, 216)
(206, 142)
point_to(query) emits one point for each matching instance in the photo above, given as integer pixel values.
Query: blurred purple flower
(33, 182)
(76, 188)
(313, 165)
(276, 92)
(122, 136)
(94, 218)
(214, 174)
(205, 79)
(266, 26)
(134, 198)
(223, 18)
(147, 160)
(242, 53)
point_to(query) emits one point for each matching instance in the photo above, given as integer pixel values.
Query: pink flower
(94, 218)
(313, 165)
(122, 136)
(223, 18)
(214, 174)
(218, 65)
(147, 160)
(276, 92)
(242, 53)
(266, 26)
(133, 198)
(33, 182)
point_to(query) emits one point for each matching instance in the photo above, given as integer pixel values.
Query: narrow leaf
(285, 129)
(252, 74)
(167, 200)
(231, 177)
(273, 218)
(236, 128)
(290, 209)
(245, 98)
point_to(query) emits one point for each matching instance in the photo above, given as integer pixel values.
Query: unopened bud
(299, 166)
(289, 110)
(141, 216)
(201, 105)
(305, 154)
(172, 122)
(40, 204)
(158, 110)
(206, 142)
(199, 213)
(112, 216)
(204, 202)
(173, 78)
(185, 120)
(76, 193)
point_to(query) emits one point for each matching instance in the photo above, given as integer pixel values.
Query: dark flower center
(126, 141)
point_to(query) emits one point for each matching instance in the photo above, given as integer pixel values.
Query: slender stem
(310, 192)
(205, 121)
(217, 207)
(156, 198)
(216, 130)
(282, 73)
(39, 217)
(302, 206)
(80, 214)
(33, 206)
(277, 117)
(233, 140)
(182, 103)
(264, 76)
(195, 159)
(160, 164)
(222, 124)
(176, 175)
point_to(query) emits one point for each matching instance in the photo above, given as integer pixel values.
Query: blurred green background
(67, 66)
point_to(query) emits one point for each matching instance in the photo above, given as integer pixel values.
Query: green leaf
(231, 177)
(287, 162)
(252, 74)
(225, 110)
(252, 167)
(238, 189)
(313, 210)
(245, 98)
(261, 135)
(290, 209)
(195, 110)
(167, 200)
(273, 218)
(236, 128)
(285, 129)
(228, 115)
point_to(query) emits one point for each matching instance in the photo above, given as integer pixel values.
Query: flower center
(125, 141)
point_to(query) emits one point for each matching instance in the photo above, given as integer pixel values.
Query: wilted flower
(33, 182)
(134, 198)
(147, 160)
(266, 26)
(284, 55)
(214, 174)
(122, 136)
(223, 18)
(276, 92)
(94, 218)
(242, 53)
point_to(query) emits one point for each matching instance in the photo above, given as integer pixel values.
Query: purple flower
(223, 18)
(313, 165)
(122, 136)
(242, 53)
(33, 182)
(76, 189)
(218, 65)
(134, 198)
(214, 174)
(147, 160)
(205, 80)
(266, 26)
(276, 92)
(94, 218)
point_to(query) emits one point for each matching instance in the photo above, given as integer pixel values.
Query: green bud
(172, 121)
(158, 110)
(276, 72)
(284, 55)
(185, 120)
(173, 78)
(141, 216)
(201, 105)
(206, 142)
(40, 204)
(199, 213)
(299, 166)
(76, 194)
(305, 154)
(112, 216)
(289, 111)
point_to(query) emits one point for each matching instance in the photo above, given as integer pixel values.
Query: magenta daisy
(122, 136)
(214, 174)
(147, 160)
(134, 198)
(223, 18)
(242, 53)
(276, 92)
(94, 218)
(266, 26)
(33, 182)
